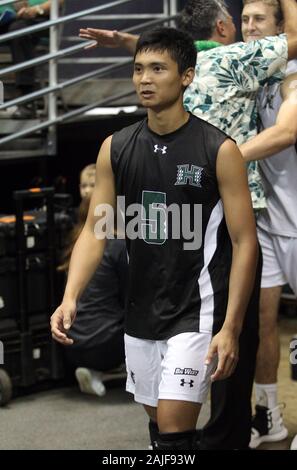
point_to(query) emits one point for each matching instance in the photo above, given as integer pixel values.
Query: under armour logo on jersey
(192, 176)
(190, 383)
(160, 149)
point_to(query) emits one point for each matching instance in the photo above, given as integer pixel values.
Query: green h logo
(187, 176)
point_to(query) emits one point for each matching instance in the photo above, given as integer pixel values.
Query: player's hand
(225, 346)
(102, 37)
(61, 321)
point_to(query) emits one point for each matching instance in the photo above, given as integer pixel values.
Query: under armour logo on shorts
(190, 383)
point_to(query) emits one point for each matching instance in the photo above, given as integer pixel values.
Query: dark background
(78, 143)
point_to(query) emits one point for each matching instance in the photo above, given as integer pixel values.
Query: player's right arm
(88, 250)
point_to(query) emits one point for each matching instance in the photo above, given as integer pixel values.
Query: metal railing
(54, 87)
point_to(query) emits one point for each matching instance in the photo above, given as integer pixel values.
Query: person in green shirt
(23, 48)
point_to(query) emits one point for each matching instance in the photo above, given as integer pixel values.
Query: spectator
(23, 48)
(97, 333)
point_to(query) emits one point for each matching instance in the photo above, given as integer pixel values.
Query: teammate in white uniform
(277, 226)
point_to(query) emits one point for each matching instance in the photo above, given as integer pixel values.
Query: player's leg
(269, 350)
(185, 381)
(143, 377)
(152, 425)
(291, 274)
(267, 423)
(177, 425)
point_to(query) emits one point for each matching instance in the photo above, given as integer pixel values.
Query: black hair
(179, 45)
(199, 17)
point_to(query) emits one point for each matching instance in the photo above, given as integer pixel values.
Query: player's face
(157, 79)
(87, 184)
(258, 21)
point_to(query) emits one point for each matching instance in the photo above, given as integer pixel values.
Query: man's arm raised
(88, 250)
(283, 134)
(109, 38)
(114, 38)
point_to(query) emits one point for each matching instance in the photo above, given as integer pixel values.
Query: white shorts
(173, 369)
(279, 260)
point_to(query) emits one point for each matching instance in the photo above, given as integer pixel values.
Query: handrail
(169, 6)
(53, 79)
(63, 19)
(72, 49)
(66, 116)
(41, 60)
(127, 16)
(61, 86)
(7, 2)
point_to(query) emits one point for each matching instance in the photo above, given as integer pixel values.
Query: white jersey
(279, 172)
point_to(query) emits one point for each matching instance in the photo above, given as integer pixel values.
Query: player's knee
(186, 440)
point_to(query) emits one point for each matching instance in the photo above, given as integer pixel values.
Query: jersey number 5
(154, 217)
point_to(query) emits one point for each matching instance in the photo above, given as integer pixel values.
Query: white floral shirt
(225, 88)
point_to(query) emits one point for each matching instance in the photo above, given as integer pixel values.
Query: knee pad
(154, 434)
(186, 440)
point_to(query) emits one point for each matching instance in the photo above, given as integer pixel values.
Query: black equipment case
(29, 244)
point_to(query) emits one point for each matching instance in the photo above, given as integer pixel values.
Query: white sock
(266, 395)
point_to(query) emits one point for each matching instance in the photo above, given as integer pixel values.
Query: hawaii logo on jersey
(192, 176)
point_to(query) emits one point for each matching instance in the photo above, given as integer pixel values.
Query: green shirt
(36, 2)
(31, 3)
(6, 7)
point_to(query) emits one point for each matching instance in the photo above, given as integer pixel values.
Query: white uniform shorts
(279, 260)
(173, 369)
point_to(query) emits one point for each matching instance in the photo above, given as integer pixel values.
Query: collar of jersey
(206, 45)
(170, 135)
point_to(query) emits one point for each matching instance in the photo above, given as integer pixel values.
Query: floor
(64, 418)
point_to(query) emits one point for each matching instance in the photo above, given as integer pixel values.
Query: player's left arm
(283, 134)
(236, 198)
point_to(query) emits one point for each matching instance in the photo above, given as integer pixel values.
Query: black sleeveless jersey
(173, 290)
